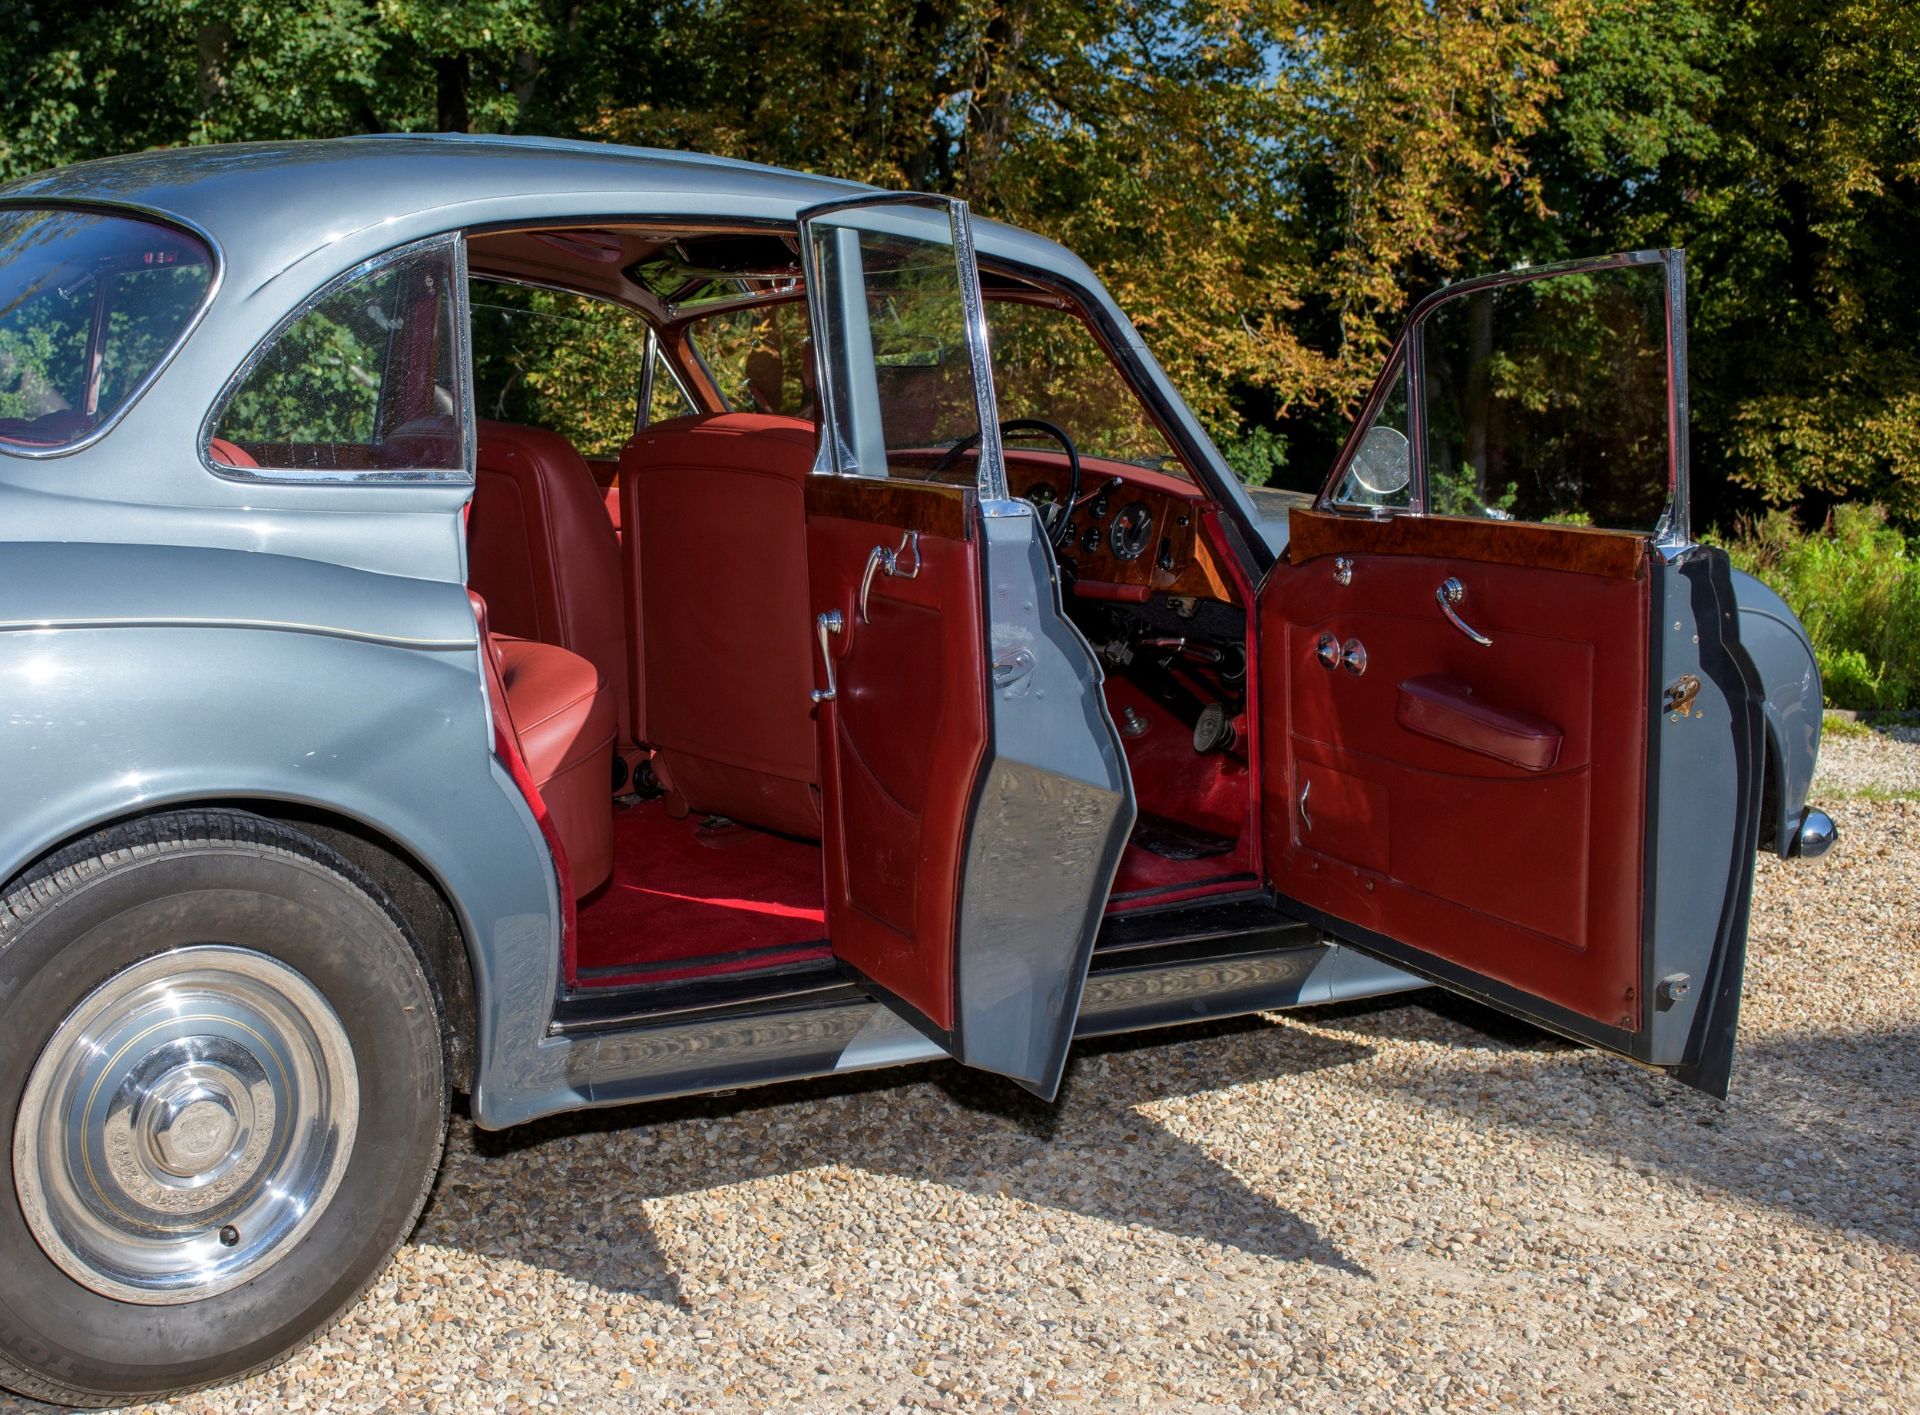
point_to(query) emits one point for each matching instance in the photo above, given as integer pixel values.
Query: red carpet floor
(688, 902)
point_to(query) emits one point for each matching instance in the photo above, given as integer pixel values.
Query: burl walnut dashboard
(1134, 533)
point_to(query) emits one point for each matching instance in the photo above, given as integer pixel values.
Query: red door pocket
(1445, 708)
(1336, 813)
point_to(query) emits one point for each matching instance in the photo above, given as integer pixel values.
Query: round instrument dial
(1131, 530)
(1042, 494)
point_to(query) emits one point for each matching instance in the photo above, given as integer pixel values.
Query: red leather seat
(716, 561)
(542, 551)
(563, 715)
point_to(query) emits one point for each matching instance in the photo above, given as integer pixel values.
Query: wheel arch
(415, 891)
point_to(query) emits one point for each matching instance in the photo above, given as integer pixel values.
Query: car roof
(271, 205)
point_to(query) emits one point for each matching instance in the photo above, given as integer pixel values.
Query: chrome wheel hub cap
(186, 1125)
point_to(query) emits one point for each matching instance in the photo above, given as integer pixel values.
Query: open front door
(1514, 742)
(975, 796)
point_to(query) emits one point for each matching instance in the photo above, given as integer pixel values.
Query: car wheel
(222, 1102)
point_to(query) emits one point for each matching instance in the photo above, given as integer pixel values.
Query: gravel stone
(1405, 1205)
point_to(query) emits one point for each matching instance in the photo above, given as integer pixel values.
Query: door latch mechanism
(1680, 695)
(1012, 665)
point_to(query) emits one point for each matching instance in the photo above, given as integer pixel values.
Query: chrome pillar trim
(186, 1125)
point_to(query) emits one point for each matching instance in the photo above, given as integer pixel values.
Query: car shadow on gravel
(567, 1193)
(1822, 1125)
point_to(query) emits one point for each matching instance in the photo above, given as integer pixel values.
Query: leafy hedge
(1855, 583)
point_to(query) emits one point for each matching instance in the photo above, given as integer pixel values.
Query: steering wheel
(1054, 517)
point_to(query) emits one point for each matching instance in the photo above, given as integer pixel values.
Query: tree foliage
(1263, 183)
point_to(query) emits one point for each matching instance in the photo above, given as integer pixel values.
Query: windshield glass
(1048, 365)
(90, 305)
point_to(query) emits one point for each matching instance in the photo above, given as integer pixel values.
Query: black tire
(237, 880)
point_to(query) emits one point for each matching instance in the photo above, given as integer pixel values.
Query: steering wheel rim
(1063, 509)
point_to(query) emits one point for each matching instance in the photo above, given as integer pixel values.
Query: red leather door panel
(1483, 804)
(902, 742)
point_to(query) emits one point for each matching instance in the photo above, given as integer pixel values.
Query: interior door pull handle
(889, 563)
(829, 624)
(1305, 819)
(1450, 593)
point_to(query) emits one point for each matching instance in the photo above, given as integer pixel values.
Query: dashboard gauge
(1132, 529)
(1042, 494)
(1090, 542)
(1099, 507)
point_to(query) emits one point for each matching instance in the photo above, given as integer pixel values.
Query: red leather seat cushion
(543, 553)
(715, 516)
(564, 719)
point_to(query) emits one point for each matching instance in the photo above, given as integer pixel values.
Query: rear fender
(112, 721)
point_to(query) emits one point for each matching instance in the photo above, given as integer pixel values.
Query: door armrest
(1445, 708)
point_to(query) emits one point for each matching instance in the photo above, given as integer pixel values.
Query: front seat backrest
(716, 543)
(542, 551)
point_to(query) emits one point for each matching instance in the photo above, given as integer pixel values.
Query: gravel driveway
(1408, 1205)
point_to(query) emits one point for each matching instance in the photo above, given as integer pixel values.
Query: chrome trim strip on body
(34, 626)
(152, 215)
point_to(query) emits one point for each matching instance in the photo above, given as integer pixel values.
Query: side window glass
(1546, 400)
(665, 397)
(557, 360)
(759, 357)
(1380, 473)
(365, 380)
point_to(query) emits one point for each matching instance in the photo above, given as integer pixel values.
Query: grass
(1835, 725)
(1855, 584)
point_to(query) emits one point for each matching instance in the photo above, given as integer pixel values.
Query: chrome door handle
(887, 562)
(829, 624)
(1305, 819)
(1450, 593)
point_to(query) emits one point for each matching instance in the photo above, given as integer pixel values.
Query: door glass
(1380, 471)
(892, 311)
(1546, 400)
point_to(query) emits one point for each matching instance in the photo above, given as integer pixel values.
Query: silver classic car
(570, 625)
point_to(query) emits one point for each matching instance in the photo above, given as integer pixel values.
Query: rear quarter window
(91, 305)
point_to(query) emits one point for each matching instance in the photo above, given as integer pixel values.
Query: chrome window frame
(153, 216)
(1672, 532)
(991, 478)
(455, 241)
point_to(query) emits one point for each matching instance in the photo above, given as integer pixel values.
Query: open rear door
(975, 795)
(1511, 747)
